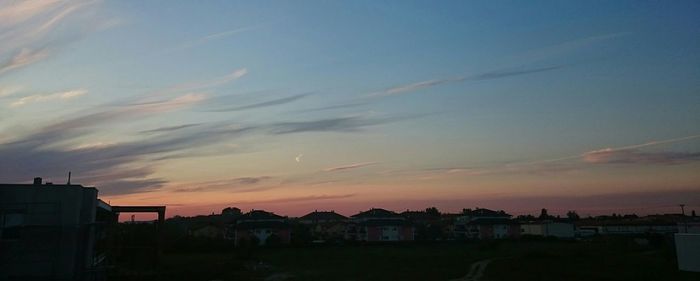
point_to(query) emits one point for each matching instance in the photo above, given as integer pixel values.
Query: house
(485, 224)
(428, 224)
(325, 225)
(261, 227)
(208, 231)
(51, 232)
(379, 225)
(548, 228)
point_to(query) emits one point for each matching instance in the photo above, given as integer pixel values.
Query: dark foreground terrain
(598, 259)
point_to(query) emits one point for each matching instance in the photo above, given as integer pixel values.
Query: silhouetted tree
(231, 211)
(544, 215)
(432, 211)
(526, 218)
(572, 215)
(692, 213)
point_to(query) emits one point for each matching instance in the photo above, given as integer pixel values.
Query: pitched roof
(323, 215)
(420, 215)
(259, 215)
(485, 213)
(376, 213)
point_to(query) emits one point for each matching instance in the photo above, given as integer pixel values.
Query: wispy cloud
(332, 107)
(300, 199)
(8, 91)
(169, 128)
(342, 124)
(242, 184)
(49, 97)
(211, 83)
(27, 30)
(630, 154)
(274, 102)
(49, 152)
(348, 167)
(212, 37)
(23, 57)
(635, 156)
(15, 12)
(567, 47)
(401, 89)
(527, 58)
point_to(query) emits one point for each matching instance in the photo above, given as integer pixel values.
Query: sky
(295, 106)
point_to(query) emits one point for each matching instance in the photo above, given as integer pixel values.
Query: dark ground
(599, 259)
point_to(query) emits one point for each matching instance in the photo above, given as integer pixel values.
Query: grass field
(514, 260)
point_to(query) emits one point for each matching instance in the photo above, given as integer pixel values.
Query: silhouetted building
(50, 232)
(261, 227)
(379, 225)
(485, 224)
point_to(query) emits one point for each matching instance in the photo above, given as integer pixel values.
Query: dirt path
(476, 271)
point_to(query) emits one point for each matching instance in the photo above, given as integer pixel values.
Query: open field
(613, 259)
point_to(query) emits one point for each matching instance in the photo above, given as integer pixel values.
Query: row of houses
(376, 225)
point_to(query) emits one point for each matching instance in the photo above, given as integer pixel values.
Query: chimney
(37, 181)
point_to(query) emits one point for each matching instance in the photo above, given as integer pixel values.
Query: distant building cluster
(260, 227)
(64, 232)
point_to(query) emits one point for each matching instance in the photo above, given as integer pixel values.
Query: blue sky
(289, 105)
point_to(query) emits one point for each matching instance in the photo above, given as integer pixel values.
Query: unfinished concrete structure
(56, 231)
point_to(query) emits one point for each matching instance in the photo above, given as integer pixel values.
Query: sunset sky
(292, 106)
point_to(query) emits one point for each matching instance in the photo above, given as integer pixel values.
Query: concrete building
(51, 232)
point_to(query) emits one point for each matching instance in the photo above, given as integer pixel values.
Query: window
(10, 226)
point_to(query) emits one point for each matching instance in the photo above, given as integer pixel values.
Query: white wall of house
(688, 251)
(390, 233)
(532, 229)
(560, 230)
(500, 230)
(262, 235)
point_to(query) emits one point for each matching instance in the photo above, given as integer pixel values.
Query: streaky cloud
(170, 128)
(341, 124)
(23, 58)
(67, 95)
(346, 124)
(349, 167)
(635, 156)
(274, 102)
(241, 184)
(300, 199)
(332, 107)
(491, 75)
